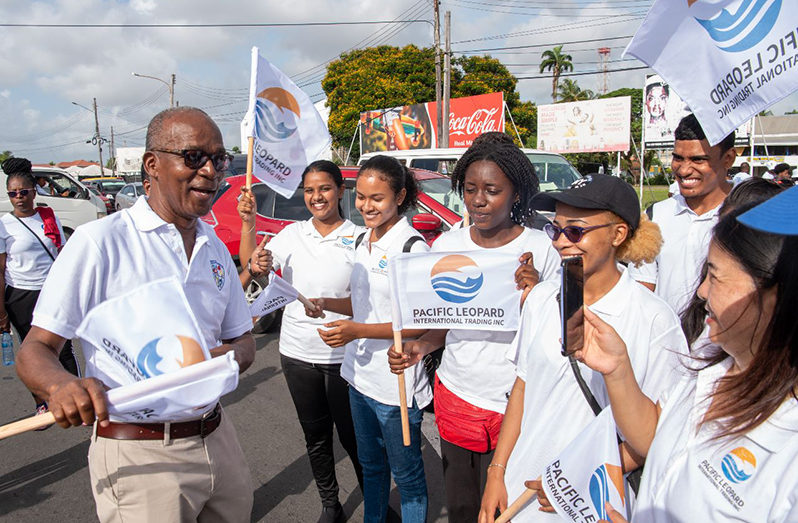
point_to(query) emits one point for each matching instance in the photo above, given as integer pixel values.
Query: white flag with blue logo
(473, 290)
(587, 474)
(148, 333)
(289, 132)
(276, 295)
(727, 59)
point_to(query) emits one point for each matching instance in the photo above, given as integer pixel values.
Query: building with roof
(775, 140)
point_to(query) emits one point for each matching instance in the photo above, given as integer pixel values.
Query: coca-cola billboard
(415, 126)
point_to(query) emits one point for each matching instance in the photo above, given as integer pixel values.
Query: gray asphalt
(44, 475)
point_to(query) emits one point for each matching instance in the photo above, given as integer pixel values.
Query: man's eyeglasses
(22, 192)
(572, 232)
(196, 158)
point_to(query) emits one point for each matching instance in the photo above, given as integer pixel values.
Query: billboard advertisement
(662, 112)
(585, 127)
(415, 126)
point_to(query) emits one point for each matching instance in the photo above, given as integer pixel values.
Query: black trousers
(321, 398)
(19, 307)
(464, 475)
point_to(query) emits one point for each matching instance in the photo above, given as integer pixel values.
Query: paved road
(44, 475)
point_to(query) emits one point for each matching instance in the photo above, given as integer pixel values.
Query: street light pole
(170, 86)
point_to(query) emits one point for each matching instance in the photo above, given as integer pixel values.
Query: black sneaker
(334, 514)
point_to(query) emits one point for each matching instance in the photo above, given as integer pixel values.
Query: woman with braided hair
(473, 382)
(30, 239)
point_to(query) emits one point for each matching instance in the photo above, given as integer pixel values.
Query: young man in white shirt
(188, 470)
(686, 220)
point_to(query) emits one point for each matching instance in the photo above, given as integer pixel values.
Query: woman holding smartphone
(721, 444)
(385, 190)
(473, 382)
(598, 219)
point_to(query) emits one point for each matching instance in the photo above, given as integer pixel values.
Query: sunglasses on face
(22, 192)
(573, 233)
(196, 158)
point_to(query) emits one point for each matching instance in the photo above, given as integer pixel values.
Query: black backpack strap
(359, 240)
(410, 242)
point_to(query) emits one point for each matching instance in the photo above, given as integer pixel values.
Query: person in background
(687, 218)
(318, 255)
(385, 191)
(41, 186)
(782, 171)
(721, 444)
(474, 379)
(744, 174)
(597, 219)
(30, 240)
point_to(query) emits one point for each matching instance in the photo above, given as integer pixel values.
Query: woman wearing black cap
(30, 238)
(598, 219)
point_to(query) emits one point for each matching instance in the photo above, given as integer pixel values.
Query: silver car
(128, 195)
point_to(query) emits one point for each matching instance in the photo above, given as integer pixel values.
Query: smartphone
(572, 292)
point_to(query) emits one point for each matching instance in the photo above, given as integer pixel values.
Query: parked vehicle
(109, 204)
(433, 215)
(128, 195)
(72, 202)
(107, 186)
(553, 170)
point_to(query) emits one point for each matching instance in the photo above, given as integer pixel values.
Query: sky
(44, 70)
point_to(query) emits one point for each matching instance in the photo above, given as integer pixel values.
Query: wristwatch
(249, 269)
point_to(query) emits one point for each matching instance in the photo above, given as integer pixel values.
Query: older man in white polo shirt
(189, 469)
(687, 218)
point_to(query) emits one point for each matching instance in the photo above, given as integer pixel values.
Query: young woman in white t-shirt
(315, 255)
(27, 252)
(385, 190)
(597, 219)
(720, 445)
(497, 182)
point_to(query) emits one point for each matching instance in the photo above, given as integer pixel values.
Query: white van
(554, 171)
(71, 201)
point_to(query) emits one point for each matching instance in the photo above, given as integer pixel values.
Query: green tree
(569, 91)
(236, 149)
(5, 155)
(557, 62)
(794, 111)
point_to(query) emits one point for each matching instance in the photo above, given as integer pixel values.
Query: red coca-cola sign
(471, 116)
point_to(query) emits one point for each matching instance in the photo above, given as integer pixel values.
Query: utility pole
(113, 153)
(447, 79)
(438, 99)
(172, 93)
(99, 138)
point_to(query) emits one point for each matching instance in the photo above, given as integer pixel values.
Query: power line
(201, 26)
(582, 73)
(526, 13)
(488, 49)
(514, 4)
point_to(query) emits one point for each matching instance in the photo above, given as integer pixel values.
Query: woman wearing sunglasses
(30, 239)
(598, 219)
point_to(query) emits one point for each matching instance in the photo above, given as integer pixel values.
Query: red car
(439, 208)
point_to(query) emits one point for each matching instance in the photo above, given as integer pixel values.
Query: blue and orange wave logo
(600, 482)
(456, 278)
(738, 465)
(168, 353)
(347, 240)
(383, 263)
(741, 30)
(271, 105)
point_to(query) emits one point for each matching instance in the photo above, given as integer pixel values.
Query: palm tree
(569, 91)
(555, 61)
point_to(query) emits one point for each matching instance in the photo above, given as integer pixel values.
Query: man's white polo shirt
(112, 256)
(690, 477)
(365, 364)
(555, 410)
(677, 269)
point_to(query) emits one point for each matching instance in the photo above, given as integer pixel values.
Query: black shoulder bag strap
(35, 236)
(406, 248)
(633, 478)
(359, 240)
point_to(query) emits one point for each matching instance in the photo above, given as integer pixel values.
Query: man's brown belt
(152, 431)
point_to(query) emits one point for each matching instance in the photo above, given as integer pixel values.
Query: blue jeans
(378, 429)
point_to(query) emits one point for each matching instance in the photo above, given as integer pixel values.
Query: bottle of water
(8, 348)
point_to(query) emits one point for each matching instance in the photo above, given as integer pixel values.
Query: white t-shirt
(474, 365)
(27, 263)
(555, 410)
(108, 258)
(315, 266)
(690, 478)
(740, 177)
(365, 364)
(677, 269)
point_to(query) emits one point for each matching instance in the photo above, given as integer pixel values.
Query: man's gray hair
(155, 137)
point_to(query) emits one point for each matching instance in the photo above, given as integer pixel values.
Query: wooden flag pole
(306, 302)
(397, 344)
(466, 220)
(517, 505)
(26, 425)
(251, 146)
